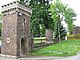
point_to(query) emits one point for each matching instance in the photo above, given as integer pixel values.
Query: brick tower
(16, 40)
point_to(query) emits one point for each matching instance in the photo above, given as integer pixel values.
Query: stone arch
(24, 45)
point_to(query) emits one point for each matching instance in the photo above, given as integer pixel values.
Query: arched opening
(23, 45)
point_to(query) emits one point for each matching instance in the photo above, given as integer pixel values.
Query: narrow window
(24, 25)
(24, 22)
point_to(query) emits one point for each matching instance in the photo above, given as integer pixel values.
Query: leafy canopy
(61, 12)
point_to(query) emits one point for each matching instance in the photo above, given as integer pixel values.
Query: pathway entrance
(23, 46)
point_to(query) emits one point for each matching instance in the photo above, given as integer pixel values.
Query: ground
(74, 46)
(44, 58)
(65, 48)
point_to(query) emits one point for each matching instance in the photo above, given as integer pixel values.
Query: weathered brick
(16, 27)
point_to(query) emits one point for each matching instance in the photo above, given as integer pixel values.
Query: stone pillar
(49, 36)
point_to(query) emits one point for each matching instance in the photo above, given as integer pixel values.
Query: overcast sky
(71, 3)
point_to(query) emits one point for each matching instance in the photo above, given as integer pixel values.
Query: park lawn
(66, 48)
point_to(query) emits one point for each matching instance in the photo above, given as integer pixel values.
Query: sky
(71, 3)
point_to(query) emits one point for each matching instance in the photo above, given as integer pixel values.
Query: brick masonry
(15, 26)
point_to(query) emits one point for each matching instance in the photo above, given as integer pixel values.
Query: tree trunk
(49, 36)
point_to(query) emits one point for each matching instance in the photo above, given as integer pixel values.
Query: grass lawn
(66, 48)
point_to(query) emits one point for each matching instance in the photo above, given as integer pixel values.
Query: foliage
(62, 31)
(0, 17)
(40, 16)
(61, 12)
(68, 48)
(0, 23)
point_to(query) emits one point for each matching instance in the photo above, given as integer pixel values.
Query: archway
(23, 46)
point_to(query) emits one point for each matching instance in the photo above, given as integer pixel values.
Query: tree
(61, 12)
(40, 9)
(0, 23)
(61, 30)
(34, 22)
(36, 19)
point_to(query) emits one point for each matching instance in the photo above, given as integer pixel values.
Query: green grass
(66, 48)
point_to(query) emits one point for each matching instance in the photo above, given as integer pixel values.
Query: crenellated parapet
(16, 7)
(16, 39)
